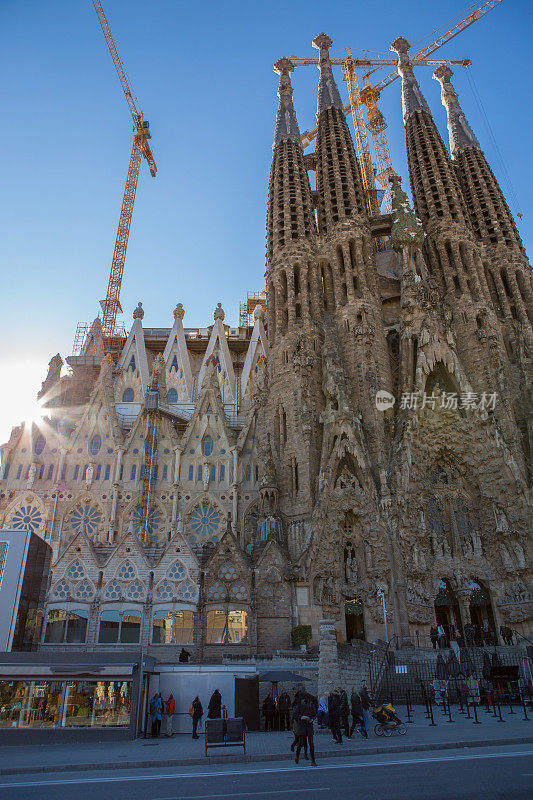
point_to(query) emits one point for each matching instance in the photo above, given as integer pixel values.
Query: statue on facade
(31, 476)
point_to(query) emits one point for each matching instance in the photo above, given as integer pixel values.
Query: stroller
(387, 721)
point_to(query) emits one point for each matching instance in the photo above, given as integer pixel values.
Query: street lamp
(381, 595)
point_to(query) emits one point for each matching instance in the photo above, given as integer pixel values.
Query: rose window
(84, 590)
(86, 519)
(165, 591)
(126, 571)
(227, 572)
(62, 590)
(187, 590)
(27, 518)
(75, 571)
(139, 521)
(238, 592)
(113, 591)
(216, 592)
(177, 572)
(135, 590)
(204, 522)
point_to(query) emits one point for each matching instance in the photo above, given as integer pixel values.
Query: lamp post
(381, 595)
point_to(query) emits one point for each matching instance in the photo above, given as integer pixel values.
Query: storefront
(68, 697)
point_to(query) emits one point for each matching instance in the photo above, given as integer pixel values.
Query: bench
(225, 733)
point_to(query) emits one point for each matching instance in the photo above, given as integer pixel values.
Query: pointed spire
(412, 97)
(328, 93)
(286, 122)
(407, 230)
(461, 134)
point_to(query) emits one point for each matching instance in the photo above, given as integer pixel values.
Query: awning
(63, 671)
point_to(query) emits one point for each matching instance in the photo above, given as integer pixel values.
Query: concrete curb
(263, 757)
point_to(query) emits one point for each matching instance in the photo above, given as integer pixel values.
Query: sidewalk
(182, 750)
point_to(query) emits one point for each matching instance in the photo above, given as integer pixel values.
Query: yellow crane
(140, 149)
(368, 96)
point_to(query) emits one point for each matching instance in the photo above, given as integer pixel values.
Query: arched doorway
(481, 614)
(354, 619)
(447, 611)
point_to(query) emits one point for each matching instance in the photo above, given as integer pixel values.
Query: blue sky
(203, 75)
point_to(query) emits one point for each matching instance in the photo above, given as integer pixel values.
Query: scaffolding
(88, 339)
(246, 315)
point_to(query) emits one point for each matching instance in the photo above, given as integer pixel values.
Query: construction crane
(368, 97)
(140, 149)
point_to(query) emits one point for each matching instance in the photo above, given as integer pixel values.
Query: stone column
(328, 661)
(176, 482)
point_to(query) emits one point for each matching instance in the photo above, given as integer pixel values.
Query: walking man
(197, 714)
(304, 714)
(170, 707)
(334, 705)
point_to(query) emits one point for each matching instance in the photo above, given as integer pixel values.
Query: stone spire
(338, 179)
(407, 230)
(328, 93)
(412, 97)
(461, 134)
(286, 122)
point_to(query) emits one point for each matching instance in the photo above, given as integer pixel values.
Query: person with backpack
(170, 707)
(196, 711)
(156, 712)
(357, 714)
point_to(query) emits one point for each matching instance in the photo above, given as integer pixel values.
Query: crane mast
(140, 149)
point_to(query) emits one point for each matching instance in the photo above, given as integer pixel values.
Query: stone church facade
(363, 448)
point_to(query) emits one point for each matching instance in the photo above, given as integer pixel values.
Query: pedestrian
(367, 703)
(184, 656)
(214, 709)
(344, 713)
(156, 712)
(322, 715)
(304, 714)
(357, 714)
(170, 707)
(298, 694)
(334, 704)
(284, 712)
(506, 634)
(434, 636)
(268, 708)
(196, 711)
(442, 636)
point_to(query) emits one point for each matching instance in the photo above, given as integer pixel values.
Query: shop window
(30, 704)
(119, 626)
(68, 627)
(172, 627)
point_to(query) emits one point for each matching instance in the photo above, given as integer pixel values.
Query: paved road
(487, 774)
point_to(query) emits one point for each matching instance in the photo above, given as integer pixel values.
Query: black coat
(344, 708)
(198, 710)
(304, 714)
(214, 709)
(357, 706)
(366, 700)
(334, 706)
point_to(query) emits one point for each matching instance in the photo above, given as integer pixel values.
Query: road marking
(278, 770)
(242, 794)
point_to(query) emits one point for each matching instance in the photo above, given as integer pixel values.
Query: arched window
(119, 626)
(127, 396)
(95, 444)
(172, 396)
(207, 445)
(40, 444)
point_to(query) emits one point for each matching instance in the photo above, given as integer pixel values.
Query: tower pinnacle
(461, 135)
(328, 93)
(286, 122)
(412, 97)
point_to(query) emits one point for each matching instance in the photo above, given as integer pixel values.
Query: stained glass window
(187, 590)
(40, 444)
(86, 519)
(128, 396)
(95, 445)
(153, 524)
(84, 590)
(216, 592)
(435, 518)
(238, 592)
(126, 571)
(113, 591)
(165, 591)
(135, 590)
(75, 571)
(207, 445)
(27, 518)
(227, 572)
(177, 572)
(204, 523)
(172, 396)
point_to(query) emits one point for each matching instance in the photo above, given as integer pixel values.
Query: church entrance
(355, 621)
(481, 615)
(447, 612)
